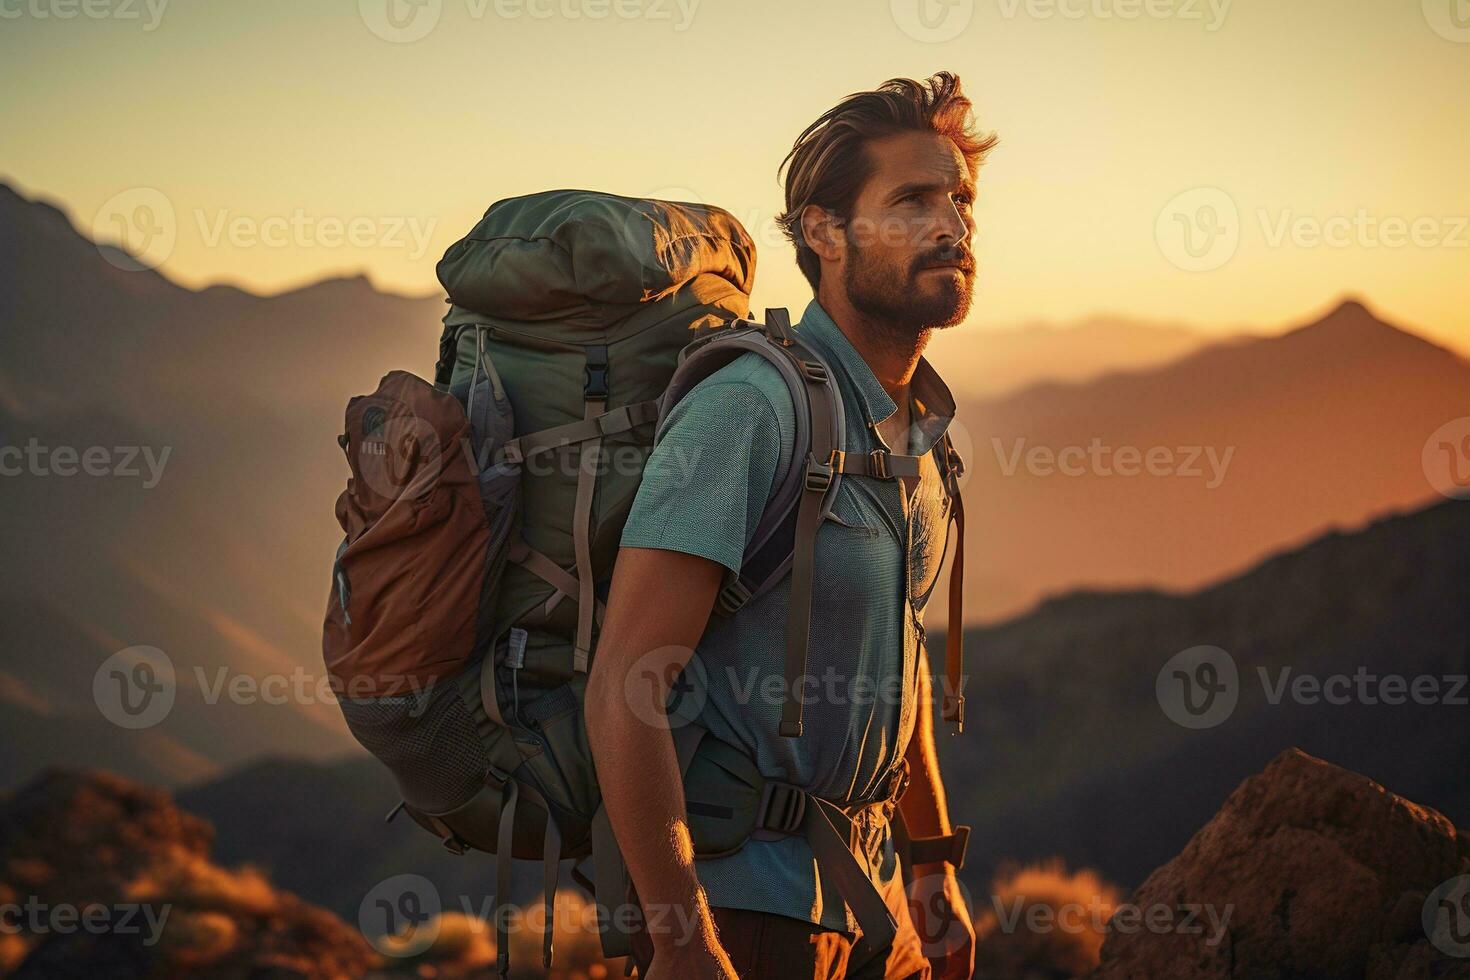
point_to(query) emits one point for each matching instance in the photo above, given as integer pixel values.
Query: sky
(1222, 164)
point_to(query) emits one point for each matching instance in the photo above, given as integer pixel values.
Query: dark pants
(763, 946)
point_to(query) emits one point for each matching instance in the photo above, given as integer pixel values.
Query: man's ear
(823, 234)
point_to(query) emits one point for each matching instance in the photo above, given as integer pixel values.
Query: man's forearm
(925, 810)
(638, 772)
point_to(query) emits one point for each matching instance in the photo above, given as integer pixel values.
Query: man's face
(907, 258)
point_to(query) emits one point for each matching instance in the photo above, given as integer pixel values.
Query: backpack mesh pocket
(428, 739)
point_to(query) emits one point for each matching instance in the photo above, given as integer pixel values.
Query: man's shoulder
(750, 381)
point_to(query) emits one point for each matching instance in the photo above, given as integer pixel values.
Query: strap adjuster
(732, 597)
(878, 464)
(782, 808)
(814, 371)
(818, 475)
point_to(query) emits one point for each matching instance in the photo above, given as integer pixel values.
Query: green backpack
(577, 320)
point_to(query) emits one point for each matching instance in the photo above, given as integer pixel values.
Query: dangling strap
(954, 654)
(506, 841)
(595, 399)
(550, 865)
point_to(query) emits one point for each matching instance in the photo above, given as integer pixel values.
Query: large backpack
(484, 513)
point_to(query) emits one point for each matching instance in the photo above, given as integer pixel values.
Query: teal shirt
(718, 458)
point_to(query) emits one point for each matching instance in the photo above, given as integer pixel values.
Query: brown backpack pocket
(407, 583)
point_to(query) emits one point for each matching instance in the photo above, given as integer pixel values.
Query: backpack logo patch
(372, 421)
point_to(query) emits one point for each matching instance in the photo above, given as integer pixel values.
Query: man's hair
(828, 164)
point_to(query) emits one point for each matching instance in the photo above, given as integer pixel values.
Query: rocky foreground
(1308, 872)
(1323, 874)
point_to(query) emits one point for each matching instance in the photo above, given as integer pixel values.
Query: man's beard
(899, 297)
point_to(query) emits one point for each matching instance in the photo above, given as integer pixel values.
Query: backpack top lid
(547, 255)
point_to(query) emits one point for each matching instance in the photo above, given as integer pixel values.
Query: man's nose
(950, 225)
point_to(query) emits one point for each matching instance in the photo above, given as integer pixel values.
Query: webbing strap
(836, 861)
(506, 841)
(879, 464)
(550, 865)
(816, 480)
(608, 423)
(540, 565)
(581, 546)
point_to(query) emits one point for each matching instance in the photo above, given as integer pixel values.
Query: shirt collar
(933, 403)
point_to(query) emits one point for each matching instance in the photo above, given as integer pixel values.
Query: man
(879, 192)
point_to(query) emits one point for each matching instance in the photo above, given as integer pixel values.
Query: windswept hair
(828, 164)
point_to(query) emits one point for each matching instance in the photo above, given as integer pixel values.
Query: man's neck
(891, 352)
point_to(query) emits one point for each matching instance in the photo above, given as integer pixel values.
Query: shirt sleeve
(715, 465)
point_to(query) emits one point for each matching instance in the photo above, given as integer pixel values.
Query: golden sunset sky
(1225, 165)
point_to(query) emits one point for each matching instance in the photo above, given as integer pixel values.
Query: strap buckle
(818, 475)
(878, 464)
(782, 808)
(732, 597)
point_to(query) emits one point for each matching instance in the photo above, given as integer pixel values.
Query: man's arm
(936, 901)
(925, 810)
(658, 605)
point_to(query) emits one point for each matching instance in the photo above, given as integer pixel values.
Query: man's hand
(699, 958)
(941, 916)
